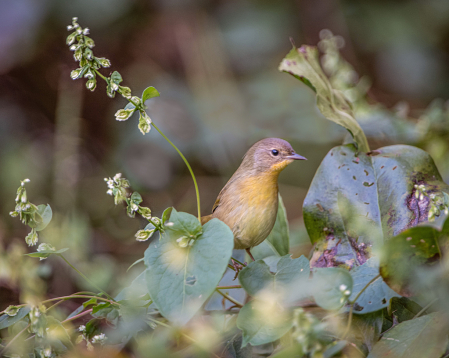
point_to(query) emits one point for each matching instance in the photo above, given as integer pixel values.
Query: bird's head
(270, 155)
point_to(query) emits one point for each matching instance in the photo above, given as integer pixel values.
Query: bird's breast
(250, 209)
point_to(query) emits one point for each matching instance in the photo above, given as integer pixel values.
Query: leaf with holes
(421, 337)
(180, 279)
(357, 201)
(377, 295)
(288, 281)
(263, 322)
(304, 64)
(6, 320)
(278, 242)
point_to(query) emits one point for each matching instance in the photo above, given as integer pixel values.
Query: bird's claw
(237, 268)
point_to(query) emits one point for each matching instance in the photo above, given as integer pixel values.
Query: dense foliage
(374, 285)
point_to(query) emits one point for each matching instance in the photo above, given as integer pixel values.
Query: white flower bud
(123, 114)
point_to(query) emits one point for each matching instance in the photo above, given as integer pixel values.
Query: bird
(248, 203)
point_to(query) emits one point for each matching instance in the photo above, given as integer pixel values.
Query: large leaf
(260, 282)
(377, 295)
(304, 64)
(421, 337)
(278, 242)
(357, 201)
(46, 214)
(180, 279)
(263, 322)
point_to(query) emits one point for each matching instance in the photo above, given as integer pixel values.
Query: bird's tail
(205, 219)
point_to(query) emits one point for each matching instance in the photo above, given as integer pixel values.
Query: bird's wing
(223, 192)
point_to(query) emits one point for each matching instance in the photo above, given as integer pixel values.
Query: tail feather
(205, 219)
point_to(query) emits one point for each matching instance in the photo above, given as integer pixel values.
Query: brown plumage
(248, 203)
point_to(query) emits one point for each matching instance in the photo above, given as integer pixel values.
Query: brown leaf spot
(395, 167)
(373, 153)
(360, 250)
(366, 172)
(353, 177)
(368, 184)
(320, 208)
(382, 167)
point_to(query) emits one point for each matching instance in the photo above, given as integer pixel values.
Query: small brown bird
(248, 203)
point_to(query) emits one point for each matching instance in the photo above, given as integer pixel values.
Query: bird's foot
(237, 268)
(250, 254)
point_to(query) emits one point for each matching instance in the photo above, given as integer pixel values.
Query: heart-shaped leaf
(357, 201)
(181, 277)
(421, 337)
(290, 274)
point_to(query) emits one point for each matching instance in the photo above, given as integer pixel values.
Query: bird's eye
(275, 152)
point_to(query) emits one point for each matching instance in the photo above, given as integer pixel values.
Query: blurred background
(215, 65)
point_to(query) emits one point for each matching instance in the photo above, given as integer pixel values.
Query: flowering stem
(85, 277)
(188, 166)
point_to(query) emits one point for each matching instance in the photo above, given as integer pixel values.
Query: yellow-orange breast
(249, 208)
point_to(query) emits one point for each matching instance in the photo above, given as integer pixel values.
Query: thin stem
(244, 265)
(231, 267)
(228, 287)
(85, 277)
(425, 308)
(229, 298)
(78, 316)
(188, 166)
(348, 327)
(80, 296)
(12, 340)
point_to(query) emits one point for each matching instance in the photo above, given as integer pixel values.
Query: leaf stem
(228, 287)
(229, 298)
(348, 327)
(188, 166)
(425, 308)
(244, 265)
(85, 277)
(77, 316)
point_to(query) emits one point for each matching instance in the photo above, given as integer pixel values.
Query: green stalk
(85, 277)
(188, 166)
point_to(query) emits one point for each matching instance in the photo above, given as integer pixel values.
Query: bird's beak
(295, 157)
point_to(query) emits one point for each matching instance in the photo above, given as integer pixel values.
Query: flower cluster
(439, 202)
(82, 45)
(84, 336)
(28, 213)
(117, 188)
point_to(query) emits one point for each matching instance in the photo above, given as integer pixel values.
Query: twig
(228, 287)
(229, 298)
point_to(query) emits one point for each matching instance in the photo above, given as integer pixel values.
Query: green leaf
(92, 301)
(330, 286)
(263, 322)
(278, 242)
(46, 253)
(180, 279)
(149, 92)
(404, 253)
(116, 77)
(294, 351)
(6, 321)
(421, 337)
(334, 349)
(232, 348)
(46, 214)
(377, 295)
(404, 309)
(356, 202)
(304, 64)
(136, 198)
(130, 106)
(137, 289)
(166, 215)
(258, 281)
(367, 328)
(107, 311)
